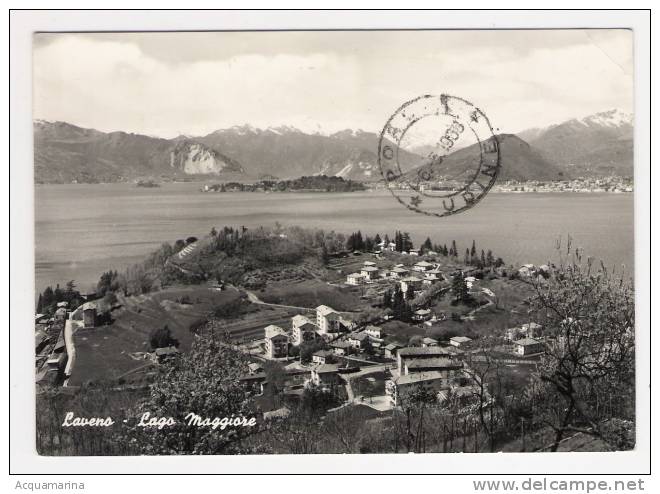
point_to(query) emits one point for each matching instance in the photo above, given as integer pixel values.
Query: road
(252, 297)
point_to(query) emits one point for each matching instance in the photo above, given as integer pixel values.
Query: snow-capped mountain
(595, 145)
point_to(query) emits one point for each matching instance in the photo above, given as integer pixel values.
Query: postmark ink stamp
(461, 155)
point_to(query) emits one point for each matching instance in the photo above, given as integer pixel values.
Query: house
(89, 315)
(419, 353)
(341, 347)
(40, 341)
(529, 346)
(369, 263)
(391, 246)
(358, 340)
(303, 329)
(391, 349)
(431, 381)
(327, 319)
(60, 314)
(277, 342)
(369, 272)
(323, 357)
(40, 318)
(62, 304)
(325, 375)
(162, 354)
(422, 315)
(413, 252)
(422, 266)
(529, 330)
(398, 272)
(459, 341)
(374, 332)
(356, 278)
(431, 279)
(255, 367)
(437, 364)
(416, 283)
(427, 342)
(527, 270)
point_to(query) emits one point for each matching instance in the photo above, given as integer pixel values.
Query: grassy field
(111, 351)
(312, 293)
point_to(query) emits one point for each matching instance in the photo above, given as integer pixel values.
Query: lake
(84, 229)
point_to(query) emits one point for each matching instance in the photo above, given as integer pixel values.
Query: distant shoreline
(320, 191)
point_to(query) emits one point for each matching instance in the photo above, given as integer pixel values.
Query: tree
(490, 260)
(467, 260)
(427, 245)
(410, 292)
(473, 250)
(459, 287)
(588, 320)
(162, 338)
(483, 259)
(204, 381)
(387, 298)
(453, 251)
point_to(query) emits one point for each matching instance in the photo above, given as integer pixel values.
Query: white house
(369, 272)
(327, 319)
(358, 340)
(369, 263)
(416, 283)
(459, 341)
(422, 314)
(529, 346)
(277, 342)
(422, 266)
(356, 278)
(303, 329)
(374, 332)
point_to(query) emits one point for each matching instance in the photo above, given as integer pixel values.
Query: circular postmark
(438, 155)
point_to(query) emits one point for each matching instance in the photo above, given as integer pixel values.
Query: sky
(167, 84)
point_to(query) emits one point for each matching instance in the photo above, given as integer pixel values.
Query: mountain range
(601, 144)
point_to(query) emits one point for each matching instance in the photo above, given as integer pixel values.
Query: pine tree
(483, 258)
(406, 242)
(410, 292)
(40, 303)
(459, 287)
(427, 245)
(490, 260)
(454, 250)
(473, 250)
(467, 259)
(377, 239)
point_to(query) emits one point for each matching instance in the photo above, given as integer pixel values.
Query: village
(361, 356)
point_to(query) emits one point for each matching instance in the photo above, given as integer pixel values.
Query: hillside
(597, 145)
(66, 153)
(520, 161)
(286, 152)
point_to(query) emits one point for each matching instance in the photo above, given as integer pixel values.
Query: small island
(316, 183)
(146, 183)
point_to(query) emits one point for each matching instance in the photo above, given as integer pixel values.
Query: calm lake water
(82, 230)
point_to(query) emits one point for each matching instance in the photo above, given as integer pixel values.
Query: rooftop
(527, 342)
(429, 350)
(369, 269)
(324, 310)
(460, 339)
(272, 331)
(418, 377)
(440, 363)
(326, 368)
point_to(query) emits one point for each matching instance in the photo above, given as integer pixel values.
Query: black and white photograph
(334, 241)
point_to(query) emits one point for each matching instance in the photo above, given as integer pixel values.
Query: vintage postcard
(304, 242)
